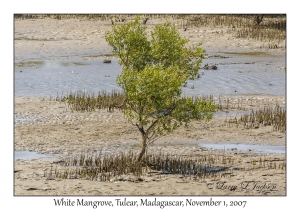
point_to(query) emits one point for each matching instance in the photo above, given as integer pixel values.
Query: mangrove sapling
(154, 72)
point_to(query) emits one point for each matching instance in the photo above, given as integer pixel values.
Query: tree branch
(151, 126)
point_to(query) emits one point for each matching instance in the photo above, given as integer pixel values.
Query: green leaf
(154, 70)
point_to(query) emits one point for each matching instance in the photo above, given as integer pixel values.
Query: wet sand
(49, 127)
(60, 132)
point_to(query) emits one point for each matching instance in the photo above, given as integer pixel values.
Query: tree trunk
(143, 150)
(144, 137)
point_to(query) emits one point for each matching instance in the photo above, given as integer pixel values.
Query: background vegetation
(263, 27)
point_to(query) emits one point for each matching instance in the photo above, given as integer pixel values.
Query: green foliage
(166, 48)
(130, 43)
(154, 72)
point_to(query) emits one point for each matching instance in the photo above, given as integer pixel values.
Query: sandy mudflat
(49, 127)
(50, 38)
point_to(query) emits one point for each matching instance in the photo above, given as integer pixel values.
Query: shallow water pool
(246, 147)
(29, 155)
(237, 74)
